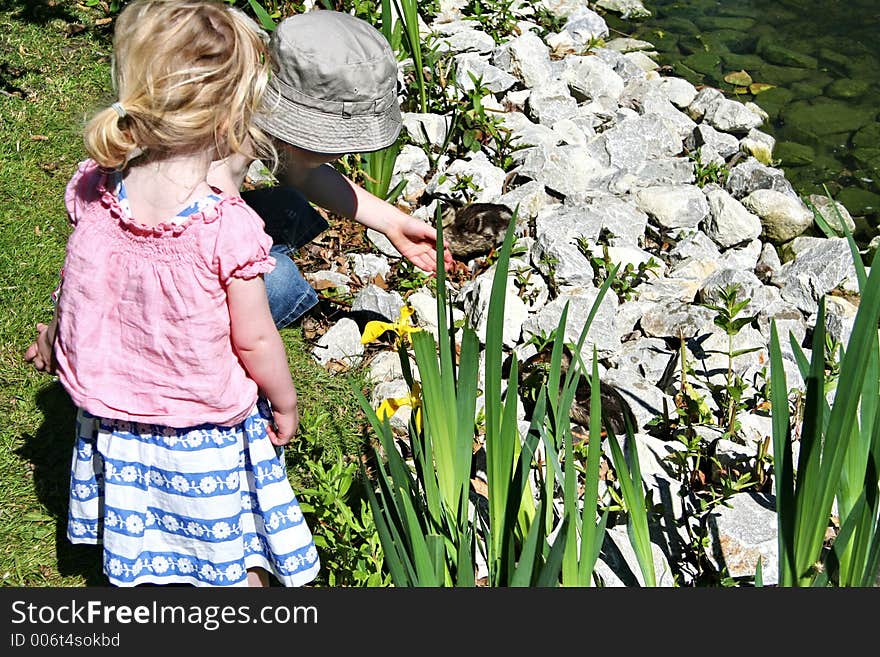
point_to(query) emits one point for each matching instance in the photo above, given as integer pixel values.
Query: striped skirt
(195, 506)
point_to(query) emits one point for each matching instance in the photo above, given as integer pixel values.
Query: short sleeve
(243, 246)
(81, 189)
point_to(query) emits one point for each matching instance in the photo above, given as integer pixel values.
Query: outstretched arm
(326, 187)
(257, 343)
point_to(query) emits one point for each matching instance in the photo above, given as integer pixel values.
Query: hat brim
(321, 132)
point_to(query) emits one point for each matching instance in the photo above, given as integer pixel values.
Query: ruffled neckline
(165, 228)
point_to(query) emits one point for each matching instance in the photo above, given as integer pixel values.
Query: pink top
(143, 330)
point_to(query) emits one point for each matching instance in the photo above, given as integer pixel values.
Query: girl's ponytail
(108, 137)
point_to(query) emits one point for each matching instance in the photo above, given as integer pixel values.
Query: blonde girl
(162, 335)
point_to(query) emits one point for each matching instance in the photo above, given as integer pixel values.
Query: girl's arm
(41, 353)
(258, 345)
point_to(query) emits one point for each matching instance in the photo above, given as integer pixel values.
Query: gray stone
(744, 532)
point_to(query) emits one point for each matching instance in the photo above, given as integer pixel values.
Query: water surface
(818, 67)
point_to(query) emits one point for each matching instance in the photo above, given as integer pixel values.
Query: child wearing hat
(333, 91)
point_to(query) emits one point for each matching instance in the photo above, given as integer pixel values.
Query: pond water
(814, 67)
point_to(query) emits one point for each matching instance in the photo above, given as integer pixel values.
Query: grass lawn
(54, 70)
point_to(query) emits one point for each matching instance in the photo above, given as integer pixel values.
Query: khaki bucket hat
(334, 85)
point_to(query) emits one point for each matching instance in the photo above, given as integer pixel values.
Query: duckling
(615, 409)
(475, 229)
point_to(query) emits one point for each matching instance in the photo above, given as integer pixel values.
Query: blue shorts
(291, 222)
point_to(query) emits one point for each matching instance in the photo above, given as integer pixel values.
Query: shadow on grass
(39, 12)
(50, 451)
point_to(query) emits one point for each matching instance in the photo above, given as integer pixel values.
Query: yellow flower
(402, 327)
(389, 406)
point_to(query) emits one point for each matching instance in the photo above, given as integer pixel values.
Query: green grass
(54, 70)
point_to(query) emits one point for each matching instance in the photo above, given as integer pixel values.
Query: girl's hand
(284, 426)
(40, 353)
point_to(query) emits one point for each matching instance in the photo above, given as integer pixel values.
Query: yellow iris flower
(389, 406)
(402, 327)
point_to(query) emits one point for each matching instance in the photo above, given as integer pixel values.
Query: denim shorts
(291, 222)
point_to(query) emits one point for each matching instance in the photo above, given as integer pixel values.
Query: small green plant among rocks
(705, 482)
(627, 278)
(729, 396)
(494, 16)
(708, 172)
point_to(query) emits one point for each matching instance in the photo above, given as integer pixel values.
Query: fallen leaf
(39, 138)
(738, 79)
(480, 487)
(337, 366)
(322, 284)
(758, 87)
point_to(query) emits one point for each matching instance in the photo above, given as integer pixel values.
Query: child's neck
(157, 189)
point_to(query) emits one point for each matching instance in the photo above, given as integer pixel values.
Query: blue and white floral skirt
(196, 506)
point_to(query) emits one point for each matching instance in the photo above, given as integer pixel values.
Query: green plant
(705, 483)
(624, 282)
(634, 497)
(522, 280)
(408, 12)
(464, 183)
(439, 68)
(477, 127)
(708, 172)
(410, 278)
(111, 7)
(338, 512)
(542, 339)
(824, 225)
(730, 395)
(268, 12)
(547, 22)
(839, 455)
(428, 530)
(378, 167)
(494, 16)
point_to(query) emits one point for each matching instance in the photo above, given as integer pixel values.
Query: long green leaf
(811, 487)
(409, 14)
(499, 452)
(525, 567)
(591, 534)
(438, 416)
(783, 469)
(262, 15)
(569, 496)
(548, 574)
(634, 498)
(843, 416)
(861, 275)
(466, 405)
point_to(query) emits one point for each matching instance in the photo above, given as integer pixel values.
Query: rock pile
(623, 164)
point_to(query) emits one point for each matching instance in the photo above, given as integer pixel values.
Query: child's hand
(39, 353)
(284, 426)
(417, 241)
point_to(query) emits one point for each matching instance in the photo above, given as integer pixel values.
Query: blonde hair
(189, 76)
